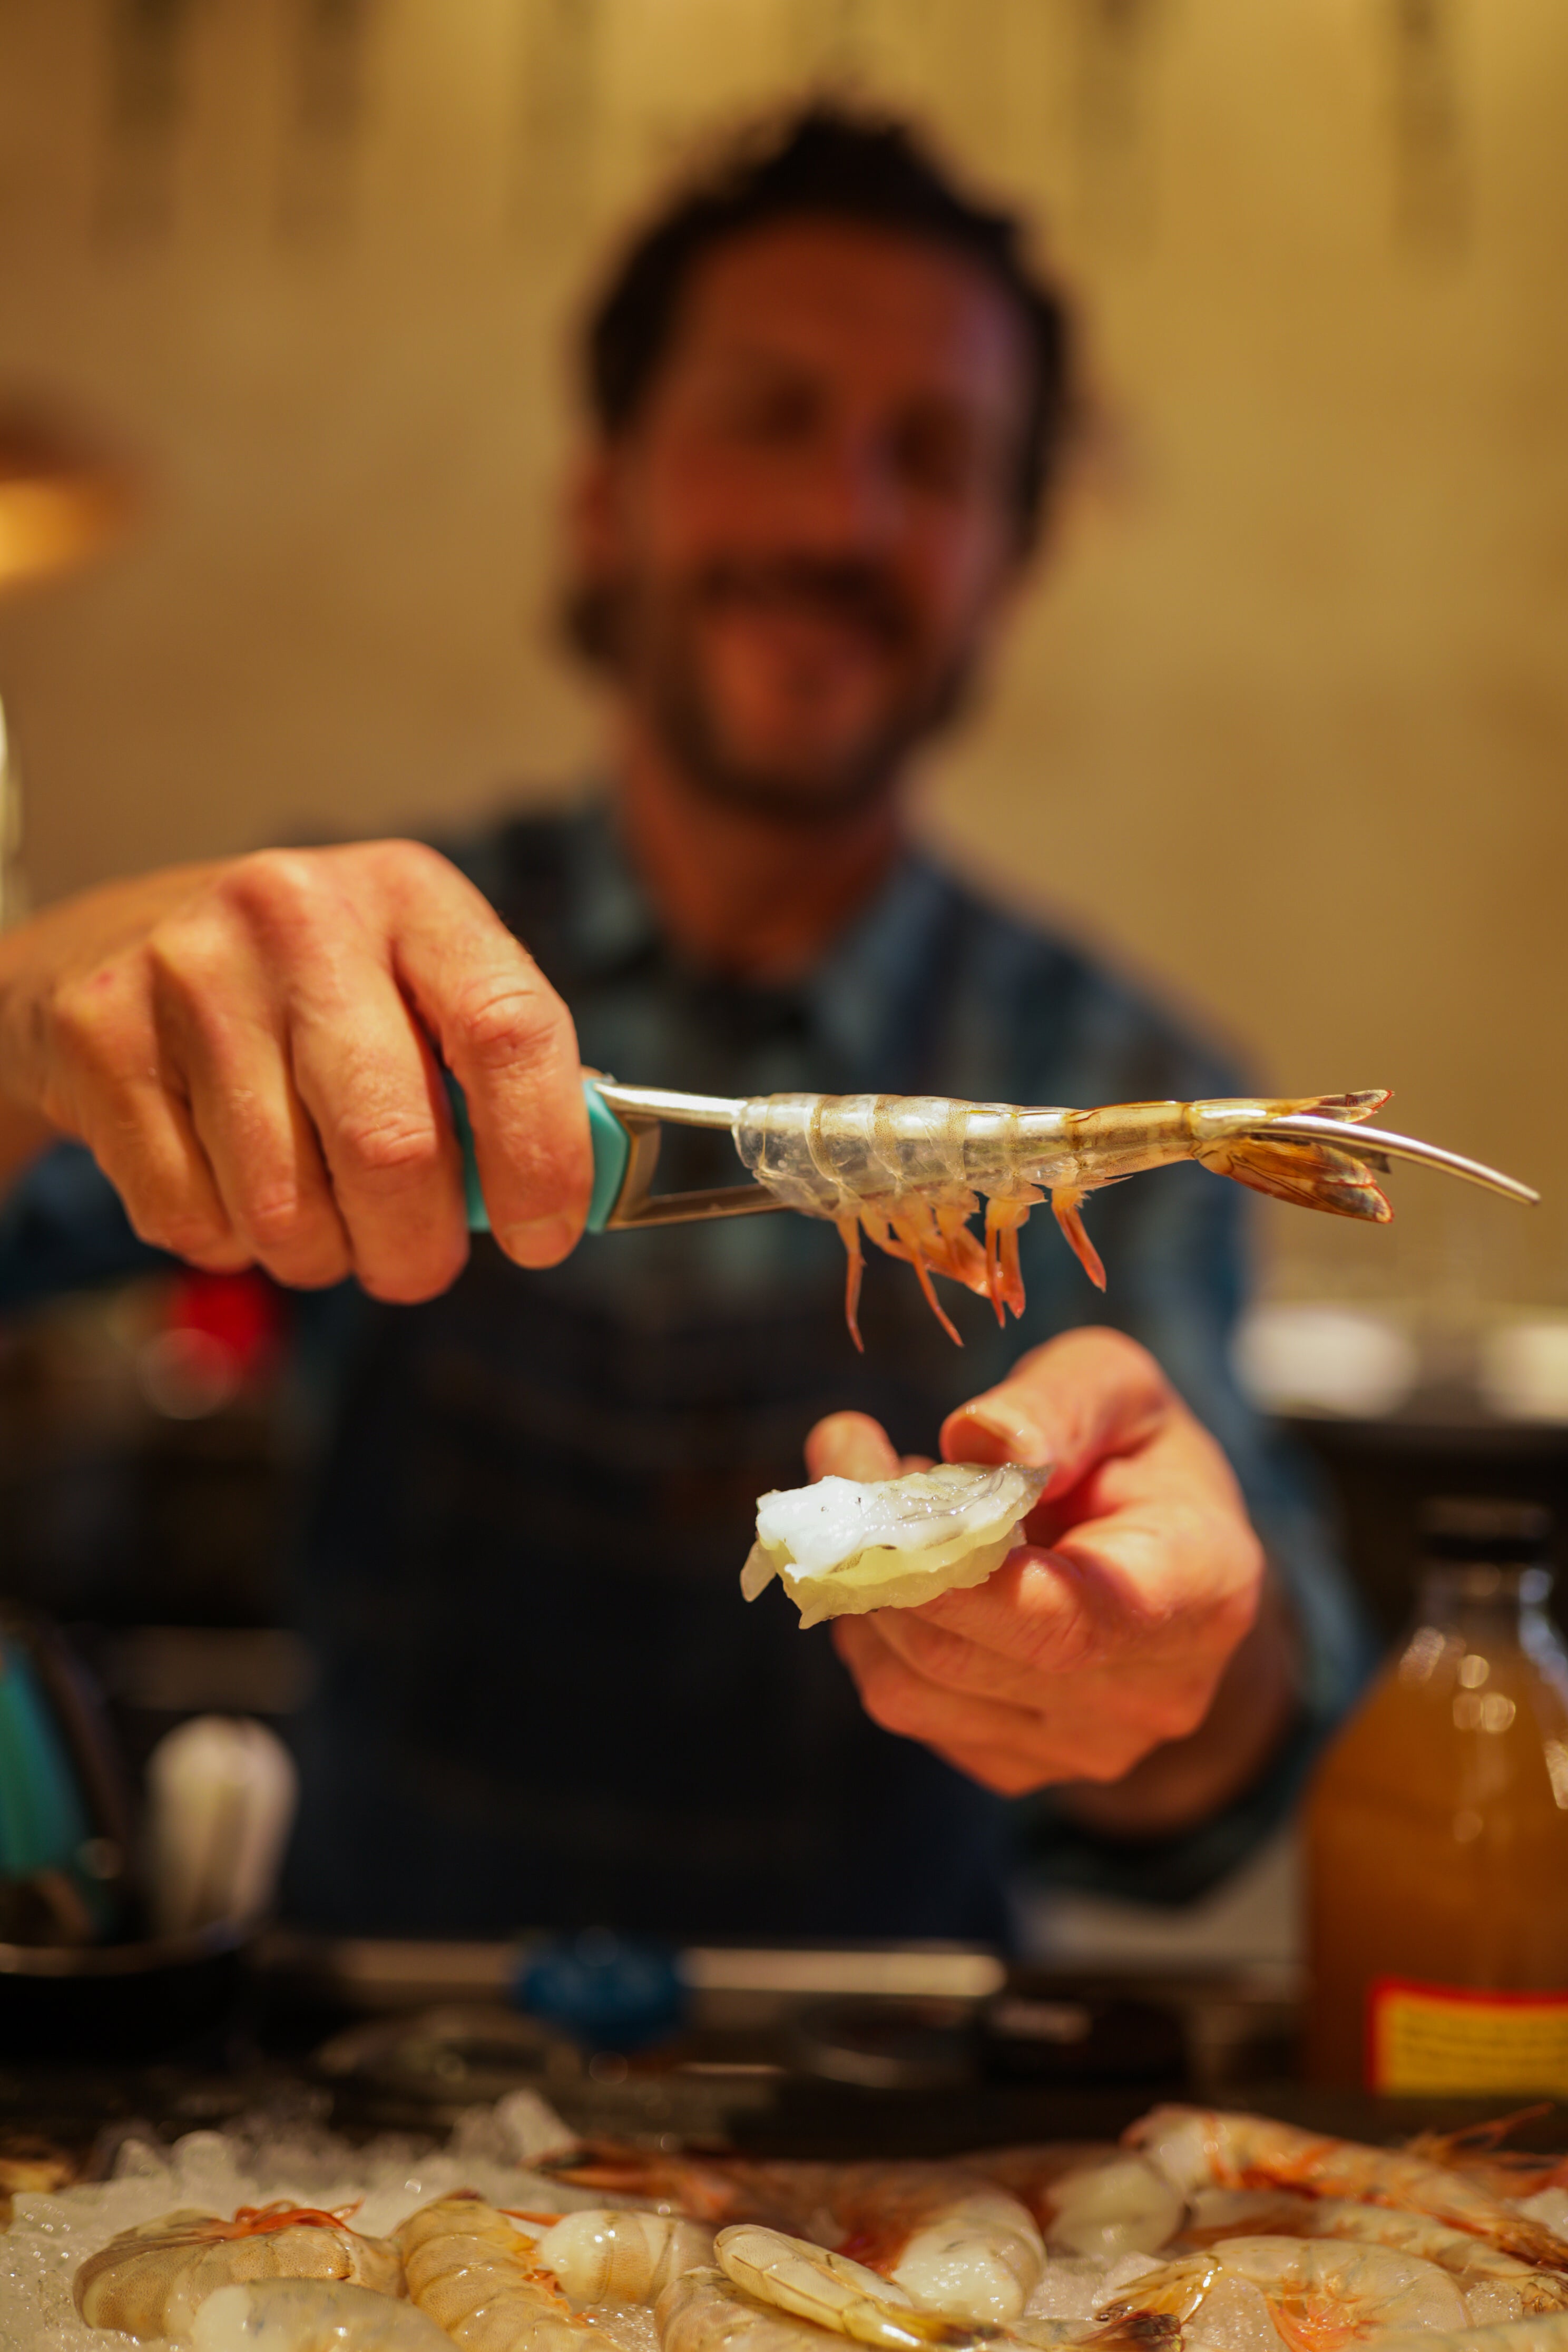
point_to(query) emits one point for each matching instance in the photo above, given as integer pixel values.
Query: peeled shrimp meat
(845, 1545)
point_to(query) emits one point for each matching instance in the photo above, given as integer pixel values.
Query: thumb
(1065, 1406)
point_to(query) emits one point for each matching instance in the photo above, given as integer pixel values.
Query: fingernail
(540, 1241)
(1023, 1439)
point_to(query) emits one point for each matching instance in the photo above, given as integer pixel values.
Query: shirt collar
(854, 991)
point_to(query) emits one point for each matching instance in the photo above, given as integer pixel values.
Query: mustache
(859, 593)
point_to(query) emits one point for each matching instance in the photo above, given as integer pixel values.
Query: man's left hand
(1101, 1642)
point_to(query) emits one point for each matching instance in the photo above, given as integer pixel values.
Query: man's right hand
(249, 1049)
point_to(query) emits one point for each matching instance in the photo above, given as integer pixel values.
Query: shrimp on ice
(1476, 2150)
(832, 2291)
(1321, 2294)
(1087, 2198)
(705, 2312)
(1501, 2284)
(151, 2281)
(598, 2255)
(476, 2275)
(911, 1170)
(715, 2189)
(957, 2242)
(953, 2241)
(1194, 2147)
(283, 2315)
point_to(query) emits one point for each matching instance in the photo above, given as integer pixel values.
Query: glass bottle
(1437, 1834)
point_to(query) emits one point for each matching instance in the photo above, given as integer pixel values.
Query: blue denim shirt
(541, 1697)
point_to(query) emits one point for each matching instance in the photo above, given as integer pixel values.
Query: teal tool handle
(612, 1148)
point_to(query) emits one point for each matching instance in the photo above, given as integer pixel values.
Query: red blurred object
(220, 1338)
(242, 1313)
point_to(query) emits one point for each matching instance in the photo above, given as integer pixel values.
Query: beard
(652, 643)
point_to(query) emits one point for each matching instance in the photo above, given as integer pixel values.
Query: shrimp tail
(1065, 1202)
(1308, 1175)
(850, 1230)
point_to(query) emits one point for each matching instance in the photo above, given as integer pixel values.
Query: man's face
(810, 525)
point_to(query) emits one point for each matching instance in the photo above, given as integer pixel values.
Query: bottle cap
(1484, 1527)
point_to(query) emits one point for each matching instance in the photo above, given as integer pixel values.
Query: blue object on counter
(607, 1991)
(612, 1148)
(46, 1830)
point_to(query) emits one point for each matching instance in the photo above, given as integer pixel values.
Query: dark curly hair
(828, 161)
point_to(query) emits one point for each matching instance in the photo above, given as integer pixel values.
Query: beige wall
(1287, 722)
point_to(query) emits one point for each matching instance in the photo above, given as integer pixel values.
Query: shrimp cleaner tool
(912, 1170)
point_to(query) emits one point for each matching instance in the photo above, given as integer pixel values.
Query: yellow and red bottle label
(1428, 2037)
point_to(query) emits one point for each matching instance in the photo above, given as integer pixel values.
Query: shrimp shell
(1194, 2146)
(910, 1169)
(954, 2242)
(829, 2289)
(283, 2315)
(598, 2255)
(475, 2274)
(1321, 2294)
(151, 2280)
(1091, 2198)
(1471, 2259)
(704, 2312)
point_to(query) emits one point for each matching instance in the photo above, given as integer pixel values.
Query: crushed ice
(259, 2158)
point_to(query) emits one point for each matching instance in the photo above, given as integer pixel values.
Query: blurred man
(828, 398)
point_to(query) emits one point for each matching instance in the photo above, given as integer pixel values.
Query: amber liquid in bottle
(1437, 1827)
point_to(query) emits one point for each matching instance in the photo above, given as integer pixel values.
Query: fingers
(246, 1046)
(153, 1157)
(903, 1701)
(107, 1084)
(849, 1446)
(510, 1042)
(309, 1090)
(1090, 1393)
(1094, 1732)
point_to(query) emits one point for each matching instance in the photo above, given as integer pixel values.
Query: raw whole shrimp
(1090, 2198)
(784, 2195)
(599, 2256)
(1321, 2294)
(1194, 2146)
(910, 1169)
(1476, 2151)
(1469, 2260)
(151, 2280)
(955, 2241)
(705, 2312)
(282, 2314)
(475, 2273)
(831, 2291)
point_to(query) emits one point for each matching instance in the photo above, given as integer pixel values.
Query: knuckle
(89, 1023)
(383, 1148)
(509, 1018)
(399, 860)
(276, 1218)
(273, 883)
